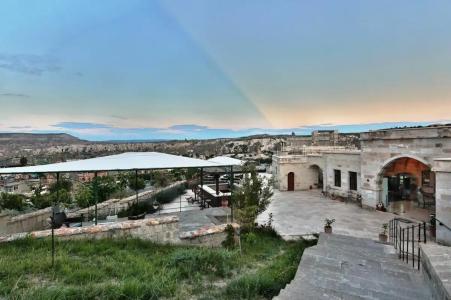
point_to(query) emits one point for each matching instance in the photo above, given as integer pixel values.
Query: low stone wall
(164, 230)
(39, 220)
(110, 206)
(436, 266)
(36, 220)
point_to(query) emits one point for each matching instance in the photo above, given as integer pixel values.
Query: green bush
(229, 241)
(12, 201)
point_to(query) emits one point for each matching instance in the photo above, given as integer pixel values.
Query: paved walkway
(342, 267)
(303, 212)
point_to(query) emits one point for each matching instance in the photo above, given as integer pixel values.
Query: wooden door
(291, 181)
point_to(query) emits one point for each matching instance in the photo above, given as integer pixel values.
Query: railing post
(407, 245)
(396, 235)
(424, 231)
(403, 245)
(419, 251)
(413, 246)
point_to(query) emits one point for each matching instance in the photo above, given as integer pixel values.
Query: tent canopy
(225, 160)
(123, 162)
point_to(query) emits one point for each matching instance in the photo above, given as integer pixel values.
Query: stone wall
(116, 205)
(345, 162)
(39, 220)
(306, 168)
(442, 168)
(305, 172)
(379, 148)
(36, 220)
(164, 230)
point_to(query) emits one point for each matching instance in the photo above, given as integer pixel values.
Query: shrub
(229, 241)
(12, 201)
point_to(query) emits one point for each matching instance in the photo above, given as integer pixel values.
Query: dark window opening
(353, 181)
(337, 176)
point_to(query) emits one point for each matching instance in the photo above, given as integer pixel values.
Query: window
(337, 176)
(353, 181)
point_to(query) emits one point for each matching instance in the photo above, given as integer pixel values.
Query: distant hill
(39, 138)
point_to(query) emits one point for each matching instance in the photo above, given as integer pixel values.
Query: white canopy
(225, 160)
(121, 162)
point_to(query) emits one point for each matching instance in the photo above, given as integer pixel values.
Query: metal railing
(406, 238)
(440, 223)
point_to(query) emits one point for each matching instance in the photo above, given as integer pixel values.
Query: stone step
(342, 267)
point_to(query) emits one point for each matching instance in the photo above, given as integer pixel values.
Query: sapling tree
(251, 198)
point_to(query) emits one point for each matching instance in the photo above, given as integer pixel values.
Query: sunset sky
(208, 68)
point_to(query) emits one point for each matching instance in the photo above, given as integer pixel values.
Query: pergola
(130, 161)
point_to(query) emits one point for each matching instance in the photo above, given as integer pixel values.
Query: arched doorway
(408, 186)
(290, 181)
(317, 176)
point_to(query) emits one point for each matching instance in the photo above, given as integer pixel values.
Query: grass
(135, 269)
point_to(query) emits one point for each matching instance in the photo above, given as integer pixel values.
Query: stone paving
(303, 212)
(343, 267)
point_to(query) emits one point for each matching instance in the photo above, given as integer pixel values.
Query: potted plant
(383, 235)
(380, 207)
(328, 225)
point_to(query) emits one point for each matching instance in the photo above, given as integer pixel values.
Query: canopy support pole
(231, 193)
(95, 197)
(202, 188)
(53, 217)
(136, 186)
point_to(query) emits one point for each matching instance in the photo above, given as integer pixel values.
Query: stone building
(407, 167)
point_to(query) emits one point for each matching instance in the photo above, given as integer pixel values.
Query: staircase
(343, 267)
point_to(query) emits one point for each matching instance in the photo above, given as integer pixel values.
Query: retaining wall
(164, 230)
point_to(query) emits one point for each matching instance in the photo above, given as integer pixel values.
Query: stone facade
(442, 168)
(379, 149)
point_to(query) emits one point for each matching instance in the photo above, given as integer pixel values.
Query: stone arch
(317, 176)
(401, 177)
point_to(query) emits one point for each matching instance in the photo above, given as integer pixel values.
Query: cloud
(30, 64)
(104, 132)
(188, 127)
(14, 95)
(81, 125)
(20, 127)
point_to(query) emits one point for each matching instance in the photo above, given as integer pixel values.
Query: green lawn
(134, 269)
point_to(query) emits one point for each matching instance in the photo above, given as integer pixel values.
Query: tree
(40, 201)
(23, 161)
(106, 186)
(12, 201)
(136, 183)
(62, 184)
(251, 198)
(84, 196)
(122, 183)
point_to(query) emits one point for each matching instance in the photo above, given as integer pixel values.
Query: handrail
(441, 223)
(406, 241)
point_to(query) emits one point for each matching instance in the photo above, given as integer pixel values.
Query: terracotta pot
(383, 238)
(328, 229)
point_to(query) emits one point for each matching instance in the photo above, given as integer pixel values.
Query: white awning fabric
(225, 160)
(121, 162)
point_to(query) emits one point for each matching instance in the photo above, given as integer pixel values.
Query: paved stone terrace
(303, 212)
(343, 267)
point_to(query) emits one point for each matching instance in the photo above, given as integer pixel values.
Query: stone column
(442, 169)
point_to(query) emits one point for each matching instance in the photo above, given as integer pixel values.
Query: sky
(143, 69)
